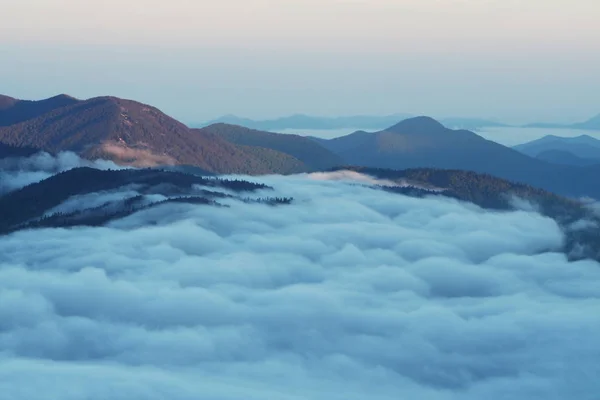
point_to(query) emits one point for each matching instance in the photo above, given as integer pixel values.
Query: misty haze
(299, 200)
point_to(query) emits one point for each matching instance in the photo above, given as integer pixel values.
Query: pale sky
(197, 59)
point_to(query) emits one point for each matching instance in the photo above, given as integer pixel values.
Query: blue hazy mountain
(580, 150)
(300, 121)
(423, 142)
(124, 130)
(565, 158)
(307, 151)
(592, 124)
(471, 123)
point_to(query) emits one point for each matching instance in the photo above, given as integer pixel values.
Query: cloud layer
(18, 172)
(348, 293)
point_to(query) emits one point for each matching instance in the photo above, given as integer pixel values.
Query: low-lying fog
(347, 293)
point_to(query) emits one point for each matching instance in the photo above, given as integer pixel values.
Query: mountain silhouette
(31, 206)
(424, 142)
(311, 154)
(592, 124)
(135, 134)
(13, 111)
(566, 158)
(418, 125)
(471, 123)
(583, 146)
(308, 122)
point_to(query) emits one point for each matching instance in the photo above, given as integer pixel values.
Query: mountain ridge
(566, 158)
(313, 155)
(309, 122)
(14, 111)
(421, 140)
(592, 124)
(582, 147)
(134, 133)
(423, 143)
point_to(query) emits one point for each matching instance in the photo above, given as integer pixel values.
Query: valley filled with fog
(349, 292)
(299, 200)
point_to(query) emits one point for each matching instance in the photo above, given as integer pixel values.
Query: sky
(517, 61)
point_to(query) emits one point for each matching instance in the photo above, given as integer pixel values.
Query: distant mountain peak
(133, 133)
(591, 124)
(13, 111)
(587, 137)
(418, 125)
(226, 125)
(595, 119)
(7, 101)
(554, 139)
(63, 97)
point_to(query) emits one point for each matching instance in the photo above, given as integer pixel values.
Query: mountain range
(424, 142)
(311, 154)
(580, 151)
(307, 122)
(13, 111)
(592, 124)
(133, 133)
(136, 134)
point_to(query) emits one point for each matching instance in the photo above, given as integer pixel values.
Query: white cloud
(16, 173)
(356, 177)
(348, 293)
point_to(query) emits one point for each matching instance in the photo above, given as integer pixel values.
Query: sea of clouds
(349, 293)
